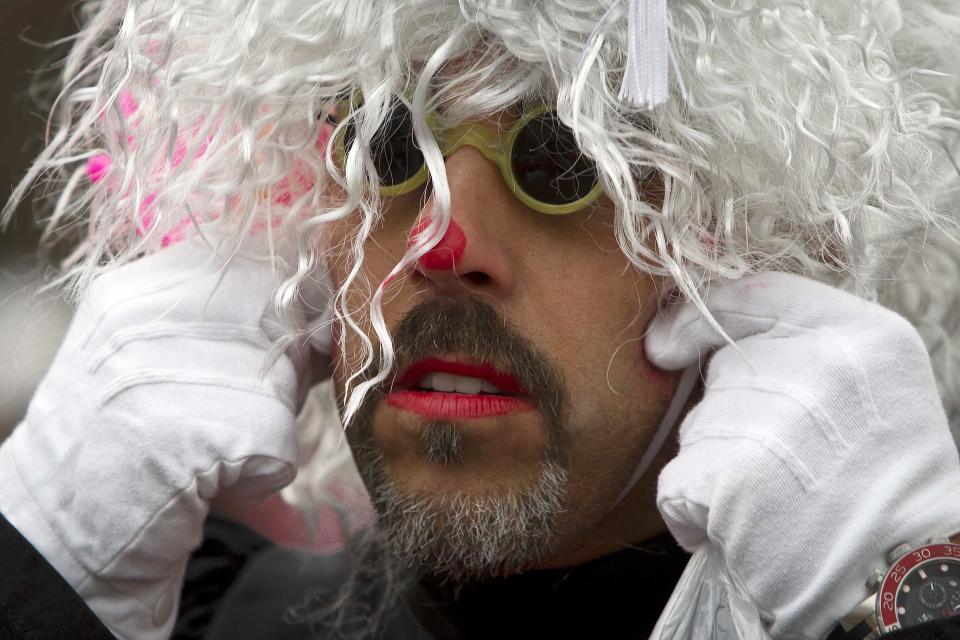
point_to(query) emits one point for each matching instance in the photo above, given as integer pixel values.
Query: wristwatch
(921, 585)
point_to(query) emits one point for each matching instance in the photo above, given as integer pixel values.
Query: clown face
(520, 400)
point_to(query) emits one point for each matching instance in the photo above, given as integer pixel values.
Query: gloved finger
(317, 294)
(713, 470)
(755, 304)
(253, 479)
(189, 282)
(309, 339)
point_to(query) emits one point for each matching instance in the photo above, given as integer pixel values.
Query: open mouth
(447, 389)
(451, 383)
(450, 376)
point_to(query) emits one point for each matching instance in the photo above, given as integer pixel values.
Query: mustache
(473, 329)
(470, 328)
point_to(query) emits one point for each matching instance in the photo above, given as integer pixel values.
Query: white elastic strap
(687, 382)
(646, 78)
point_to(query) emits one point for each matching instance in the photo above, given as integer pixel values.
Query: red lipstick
(503, 381)
(441, 405)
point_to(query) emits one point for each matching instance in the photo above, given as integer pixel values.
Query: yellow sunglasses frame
(496, 146)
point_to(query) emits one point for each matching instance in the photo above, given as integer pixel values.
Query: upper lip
(485, 371)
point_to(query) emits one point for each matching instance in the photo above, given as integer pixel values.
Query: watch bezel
(887, 616)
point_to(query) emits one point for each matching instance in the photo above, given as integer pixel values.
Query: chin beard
(442, 443)
(463, 537)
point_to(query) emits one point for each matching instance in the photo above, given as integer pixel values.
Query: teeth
(443, 382)
(426, 382)
(467, 385)
(448, 382)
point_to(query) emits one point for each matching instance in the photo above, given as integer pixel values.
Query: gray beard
(456, 537)
(464, 537)
(459, 536)
(443, 443)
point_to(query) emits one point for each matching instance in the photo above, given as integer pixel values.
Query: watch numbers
(922, 554)
(921, 586)
(928, 591)
(888, 600)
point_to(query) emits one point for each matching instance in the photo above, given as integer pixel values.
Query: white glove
(154, 403)
(813, 453)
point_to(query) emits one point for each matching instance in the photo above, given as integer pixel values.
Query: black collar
(616, 596)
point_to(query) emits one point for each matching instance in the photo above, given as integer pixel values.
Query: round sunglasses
(538, 157)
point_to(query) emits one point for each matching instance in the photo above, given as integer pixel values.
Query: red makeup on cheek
(660, 380)
(447, 253)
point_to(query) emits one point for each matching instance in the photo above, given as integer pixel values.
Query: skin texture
(564, 285)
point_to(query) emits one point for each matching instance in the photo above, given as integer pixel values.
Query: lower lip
(437, 405)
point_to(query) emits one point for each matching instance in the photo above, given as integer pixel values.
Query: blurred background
(31, 325)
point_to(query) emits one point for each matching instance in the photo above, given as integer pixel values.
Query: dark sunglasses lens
(393, 149)
(548, 164)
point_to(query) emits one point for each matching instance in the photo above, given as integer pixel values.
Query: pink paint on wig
(98, 166)
(128, 104)
(324, 138)
(148, 214)
(180, 150)
(178, 233)
(294, 186)
(284, 193)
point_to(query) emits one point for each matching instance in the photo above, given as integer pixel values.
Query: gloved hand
(154, 404)
(817, 448)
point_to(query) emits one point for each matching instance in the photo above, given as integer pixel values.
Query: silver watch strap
(860, 623)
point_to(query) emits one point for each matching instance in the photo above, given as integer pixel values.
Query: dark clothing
(618, 596)
(239, 587)
(35, 602)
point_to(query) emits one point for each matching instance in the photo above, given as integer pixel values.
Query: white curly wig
(816, 136)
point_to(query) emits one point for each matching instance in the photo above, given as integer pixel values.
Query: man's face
(471, 479)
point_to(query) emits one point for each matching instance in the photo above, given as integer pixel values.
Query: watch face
(922, 586)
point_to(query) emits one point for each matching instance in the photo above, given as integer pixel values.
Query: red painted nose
(447, 253)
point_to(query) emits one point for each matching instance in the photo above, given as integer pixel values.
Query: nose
(473, 253)
(447, 253)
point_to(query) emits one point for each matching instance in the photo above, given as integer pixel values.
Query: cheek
(614, 386)
(659, 381)
(616, 415)
(336, 356)
(336, 239)
(348, 351)
(383, 248)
